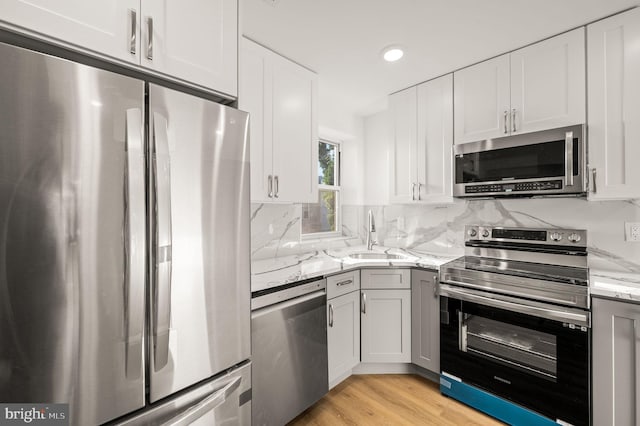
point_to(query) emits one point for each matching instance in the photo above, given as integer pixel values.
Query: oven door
(523, 353)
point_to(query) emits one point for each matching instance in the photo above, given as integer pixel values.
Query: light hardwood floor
(389, 399)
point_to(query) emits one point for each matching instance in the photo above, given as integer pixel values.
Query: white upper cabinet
(422, 138)
(106, 27)
(281, 97)
(193, 40)
(614, 106)
(538, 87)
(548, 84)
(435, 140)
(403, 155)
(481, 100)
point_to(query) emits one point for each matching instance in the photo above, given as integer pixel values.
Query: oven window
(541, 160)
(529, 350)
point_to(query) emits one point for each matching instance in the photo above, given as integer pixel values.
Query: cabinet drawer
(337, 285)
(386, 278)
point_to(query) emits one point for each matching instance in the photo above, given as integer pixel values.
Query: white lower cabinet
(425, 320)
(385, 320)
(343, 335)
(616, 362)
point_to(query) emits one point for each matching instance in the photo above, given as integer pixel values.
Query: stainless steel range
(515, 324)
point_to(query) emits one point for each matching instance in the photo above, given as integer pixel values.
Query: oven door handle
(462, 332)
(495, 301)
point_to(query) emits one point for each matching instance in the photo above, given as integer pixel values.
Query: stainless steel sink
(381, 256)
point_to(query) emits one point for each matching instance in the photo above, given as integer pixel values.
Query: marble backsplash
(439, 229)
(276, 231)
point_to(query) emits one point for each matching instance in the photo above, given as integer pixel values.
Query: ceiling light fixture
(392, 53)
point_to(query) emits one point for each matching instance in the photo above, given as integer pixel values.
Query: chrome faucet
(371, 228)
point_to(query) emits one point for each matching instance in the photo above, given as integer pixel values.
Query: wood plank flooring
(389, 399)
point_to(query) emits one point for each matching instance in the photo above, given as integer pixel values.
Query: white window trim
(338, 189)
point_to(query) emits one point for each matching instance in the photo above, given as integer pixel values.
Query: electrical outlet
(632, 231)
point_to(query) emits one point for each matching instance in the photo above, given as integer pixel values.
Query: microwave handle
(568, 159)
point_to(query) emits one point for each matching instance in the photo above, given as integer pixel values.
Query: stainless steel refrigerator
(124, 247)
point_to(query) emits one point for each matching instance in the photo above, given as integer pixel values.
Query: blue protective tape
(497, 407)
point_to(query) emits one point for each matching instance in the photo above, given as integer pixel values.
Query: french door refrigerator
(124, 247)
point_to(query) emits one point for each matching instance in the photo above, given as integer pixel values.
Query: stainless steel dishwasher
(289, 350)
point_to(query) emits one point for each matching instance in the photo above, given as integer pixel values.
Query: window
(323, 218)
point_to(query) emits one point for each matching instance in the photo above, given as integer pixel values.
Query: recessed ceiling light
(392, 53)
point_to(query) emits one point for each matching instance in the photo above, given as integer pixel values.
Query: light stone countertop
(274, 272)
(613, 284)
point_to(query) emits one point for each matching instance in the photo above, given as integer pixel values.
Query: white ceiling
(341, 39)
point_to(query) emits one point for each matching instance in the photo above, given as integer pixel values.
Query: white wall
(377, 132)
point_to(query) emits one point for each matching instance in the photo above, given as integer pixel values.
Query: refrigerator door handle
(209, 403)
(163, 240)
(134, 269)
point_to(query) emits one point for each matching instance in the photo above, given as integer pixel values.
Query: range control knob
(575, 238)
(472, 232)
(555, 236)
(485, 233)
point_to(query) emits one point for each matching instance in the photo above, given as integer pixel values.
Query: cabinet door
(105, 27)
(616, 362)
(386, 325)
(343, 335)
(194, 40)
(435, 140)
(548, 84)
(614, 106)
(254, 97)
(425, 320)
(295, 132)
(481, 100)
(402, 151)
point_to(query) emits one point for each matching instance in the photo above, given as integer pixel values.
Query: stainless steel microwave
(549, 162)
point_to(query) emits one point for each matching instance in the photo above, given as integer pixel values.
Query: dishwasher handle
(287, 303)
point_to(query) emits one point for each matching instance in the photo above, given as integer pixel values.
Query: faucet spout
(371, 228)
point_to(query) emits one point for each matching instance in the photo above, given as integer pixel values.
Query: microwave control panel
(544, 185)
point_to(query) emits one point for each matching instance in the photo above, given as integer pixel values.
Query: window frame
(336, 188)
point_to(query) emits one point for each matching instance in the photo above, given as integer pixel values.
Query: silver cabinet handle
(413, 191)
(276, 185)
(133, 25)
(363, 299)
(150, 38)
(513, 120)
(419, 187)
(135, 243)
(330, 315)
(593, 179)
(568, 159)
(345, 282)
(270, 186)
(506, 115)
(436, 286)
(163, 241)
(203, 407)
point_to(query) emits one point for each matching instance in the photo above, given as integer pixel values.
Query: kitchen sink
(381, 256)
